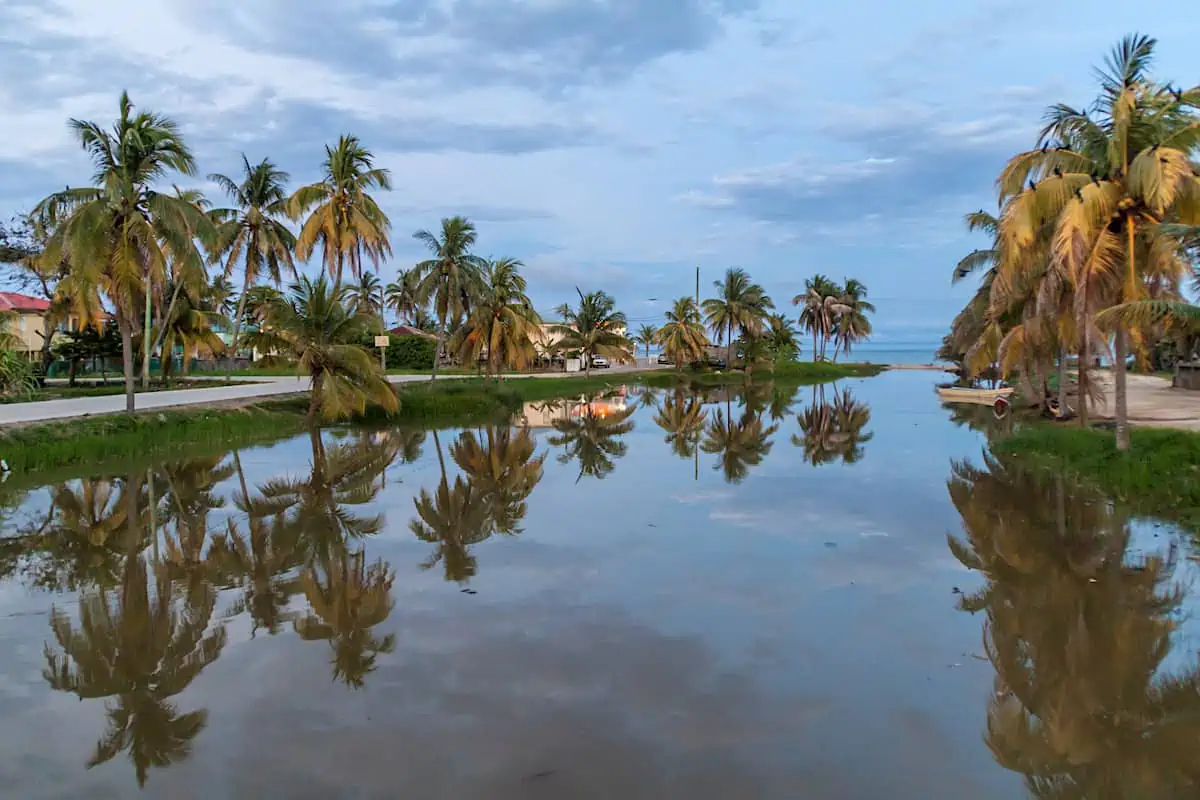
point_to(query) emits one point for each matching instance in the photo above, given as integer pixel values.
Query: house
(30, 321)
(409, 330)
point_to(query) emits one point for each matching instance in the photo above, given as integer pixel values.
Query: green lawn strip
(64, 392)
(1158, 477)
(102, 444)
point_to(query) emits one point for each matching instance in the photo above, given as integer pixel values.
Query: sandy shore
(1152, 402)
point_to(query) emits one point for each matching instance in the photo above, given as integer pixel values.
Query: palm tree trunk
(1083, 386)
(126, 329)
(162, 334)
(1062, 380)
(1121, 392)
(337, 279)
(441, 460)
(47, 339)
(437, 348)
(314, 398)
(237, 329)
(146, 334)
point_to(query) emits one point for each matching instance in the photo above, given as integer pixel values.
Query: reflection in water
(682, 416)
(137, 650)
(738, 445)
(833, 431)
(1078, 631)
(498, 474)
(589, 432)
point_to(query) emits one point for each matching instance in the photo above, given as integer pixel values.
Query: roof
(409, 330)
(11, 301)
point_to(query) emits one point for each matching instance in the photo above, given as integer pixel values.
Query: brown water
(832, 593)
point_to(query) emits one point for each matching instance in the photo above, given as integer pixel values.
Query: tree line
(1093, 241)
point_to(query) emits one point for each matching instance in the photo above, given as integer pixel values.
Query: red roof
(11, 301)
(408, 330)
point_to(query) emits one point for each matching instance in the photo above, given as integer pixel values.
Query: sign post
(382, 342)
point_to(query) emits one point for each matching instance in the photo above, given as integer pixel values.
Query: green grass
(1158, 477)
(107, 443)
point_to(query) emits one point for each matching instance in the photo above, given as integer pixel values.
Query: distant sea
(885, 352)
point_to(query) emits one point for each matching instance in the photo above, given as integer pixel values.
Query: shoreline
(100, 442)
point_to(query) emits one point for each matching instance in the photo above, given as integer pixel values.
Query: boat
(963, 394)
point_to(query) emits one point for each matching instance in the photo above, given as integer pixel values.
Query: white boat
(983, 397)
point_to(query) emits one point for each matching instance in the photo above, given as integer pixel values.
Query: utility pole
(697, 288)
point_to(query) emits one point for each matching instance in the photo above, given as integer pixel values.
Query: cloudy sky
(613, 144)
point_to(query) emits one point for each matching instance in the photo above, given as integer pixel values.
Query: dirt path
(1152, 402)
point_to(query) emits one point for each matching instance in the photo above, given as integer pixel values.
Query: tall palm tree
(502, 324)
(821, 304)
(852, 325)
(595, 328)
(1104, 177)
(254, 235)
(119, 235)
(645, 337)
(402, 297)
(343, 218)
(740, 305)
(192, 322)
(682, 336)
(141, 652)
(314, 326)
(366, 296)
(451, 277)
(781, 337)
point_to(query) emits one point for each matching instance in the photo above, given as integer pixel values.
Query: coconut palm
(594, 328)
(343, 218)
(365, 296)
(821, 303)
(645, 337)
(682, 336)
(190, 323)
(138, 649)
(740, 306)
(1103, 178)
(781, 337)
(501, 326)
(852, 325)
(401, 296)
(452, 277)
(347, 599)
(254, 235)
(592, 438)
(120, 234)
(314, 326)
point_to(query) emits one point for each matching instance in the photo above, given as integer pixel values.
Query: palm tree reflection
(140, 648)
(831, 432)
(1079, 632)
(590, 434)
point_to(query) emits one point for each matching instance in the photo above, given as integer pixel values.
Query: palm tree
(740, 305)
(595, 328)
(781, 337)
(592, 438)
(344, 220)
(254, 235)
(502, 324)
(402, 297)
(314, 326)
(852, 325)
(833, 431)
(190, 322)
(682, 336)
(822, 303)
(119, 235)
(1103, 178)
(141, 652)
(451, 277)
(453, 518)
(645, 337)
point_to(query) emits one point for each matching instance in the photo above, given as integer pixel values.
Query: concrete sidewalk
(242, 389)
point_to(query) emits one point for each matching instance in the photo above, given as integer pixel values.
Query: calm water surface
(832, 594)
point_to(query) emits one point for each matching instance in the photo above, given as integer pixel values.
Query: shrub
(405, 352)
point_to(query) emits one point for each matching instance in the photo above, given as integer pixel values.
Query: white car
(600, 362)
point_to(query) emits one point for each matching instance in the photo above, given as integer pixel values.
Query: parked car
(599, 362)
(663, 358)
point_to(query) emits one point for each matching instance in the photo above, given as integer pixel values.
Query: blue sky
(613, 144)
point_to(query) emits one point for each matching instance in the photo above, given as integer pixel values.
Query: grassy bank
(1159, 477)
(55, 391)
(104, 442)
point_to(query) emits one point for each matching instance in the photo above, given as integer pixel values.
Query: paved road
(242, 389)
